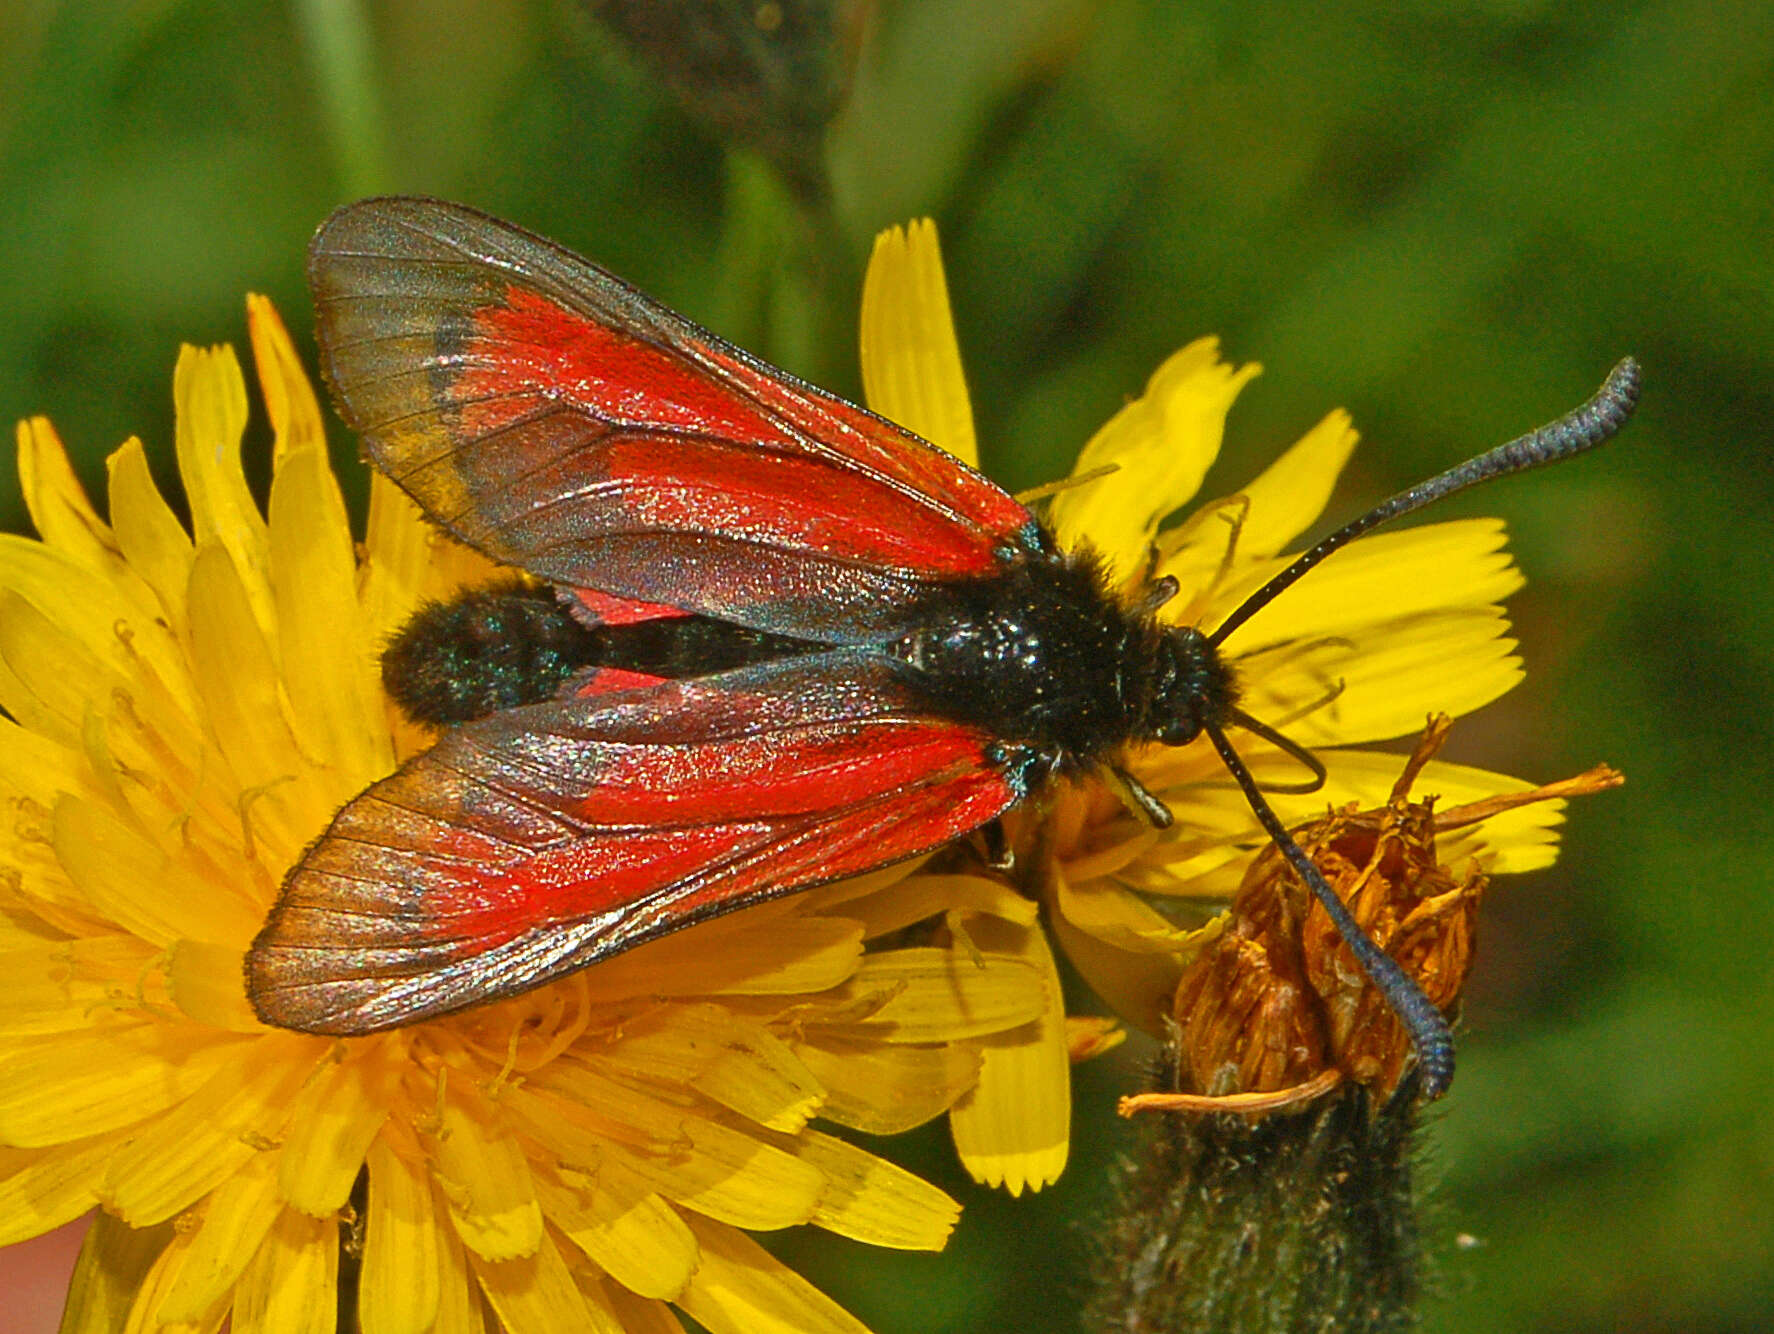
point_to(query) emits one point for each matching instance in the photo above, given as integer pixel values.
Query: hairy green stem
(1302, 1221)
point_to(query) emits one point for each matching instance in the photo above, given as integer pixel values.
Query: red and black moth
(785, 642)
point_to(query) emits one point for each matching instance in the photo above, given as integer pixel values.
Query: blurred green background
(1449, 218)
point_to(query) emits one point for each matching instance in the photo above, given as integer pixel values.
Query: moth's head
(1193, 688)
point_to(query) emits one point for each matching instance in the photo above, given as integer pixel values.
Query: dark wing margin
(532, 843)
(558, 420)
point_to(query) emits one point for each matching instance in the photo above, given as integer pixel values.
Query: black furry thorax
(1046, 655)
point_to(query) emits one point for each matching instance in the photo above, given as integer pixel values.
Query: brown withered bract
(1276, 1010)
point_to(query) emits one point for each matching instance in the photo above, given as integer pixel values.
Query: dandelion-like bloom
(1394, 628)
(185, 711)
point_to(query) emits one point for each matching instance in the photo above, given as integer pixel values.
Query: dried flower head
(1276, 1004)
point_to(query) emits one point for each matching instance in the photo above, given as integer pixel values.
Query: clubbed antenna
(1596, 421)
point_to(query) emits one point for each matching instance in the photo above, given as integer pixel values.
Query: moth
(782, 640)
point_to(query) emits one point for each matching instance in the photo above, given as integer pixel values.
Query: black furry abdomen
(481, 652)
(500, 648)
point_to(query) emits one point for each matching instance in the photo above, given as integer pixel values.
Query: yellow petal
(935, 995)
(1161, 445)
(217, 1131)
(289, 398)
(740, 1288)
(1389, 682)
(397, 557)
(692, 1158)
(1277, 507)
(737, 1063)
(406, 560)
(23, 927)
(207, 983)
(239, 679)
(761, 1079)
(328, 670)
(886, 1088)
(1014, 1128)
(732, 1177)
(57, 987)
(63, 1087)
(641, 1315)
(458, 1298)
(761, 951)
(159, 1284)
(1359, 650)
(18, 698)
(1106, 848)
(209, 397)
(623, 1227)
(236, 1218)
(830, 899)
(537, 1292)
(560, 1122)
(117, 1264)
(40, 1189)
(911, 361)
(1288, 496)
(871, 1200)
(39, 906)
(152, 539)
(133, 883)
(1384, 578)
(1521, 839)
(291, 1285)
(117, 624)
(36, 769)
(55, 675)
(1123, 920)
(399, 1289)
(332, 1124)
(486, 1179)
(64, 517)
(1524, 839)
(921, 896)
(1134, 972)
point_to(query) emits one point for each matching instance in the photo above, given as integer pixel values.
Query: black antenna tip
(1605, 413)
(1623, 381)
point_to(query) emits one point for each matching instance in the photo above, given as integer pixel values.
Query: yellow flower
(184, 712)
(1397, 627)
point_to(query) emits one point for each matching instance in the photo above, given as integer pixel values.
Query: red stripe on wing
(543, 839)
(858, 434)
(594, 607)
(777, 499)
(609, 680)
(528, 343)
(560, 421)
